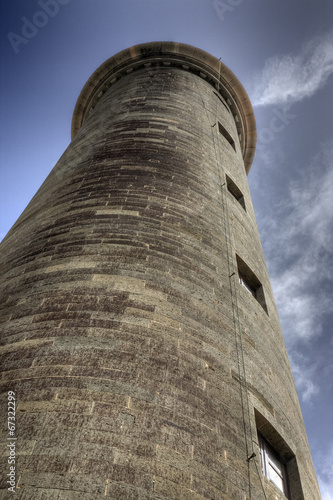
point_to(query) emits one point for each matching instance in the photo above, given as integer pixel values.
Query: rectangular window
(226, 135)
(278, 462)
(250, 282)
(235, 191)
(272, 466)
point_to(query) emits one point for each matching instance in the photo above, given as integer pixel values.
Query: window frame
(246, 284)
(285, 454)
(268, 456)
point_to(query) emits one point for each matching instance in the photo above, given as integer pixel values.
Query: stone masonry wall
(124, 324)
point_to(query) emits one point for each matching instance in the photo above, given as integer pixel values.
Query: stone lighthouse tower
(140, 339)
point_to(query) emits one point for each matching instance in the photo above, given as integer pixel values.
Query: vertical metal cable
(232, 273)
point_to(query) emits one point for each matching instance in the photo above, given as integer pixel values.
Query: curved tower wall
(142, 367)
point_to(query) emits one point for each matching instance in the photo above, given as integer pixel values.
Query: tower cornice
(183, 56)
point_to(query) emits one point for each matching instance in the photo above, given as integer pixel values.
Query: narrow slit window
(250, 282)
(226, 135)
(235, 191)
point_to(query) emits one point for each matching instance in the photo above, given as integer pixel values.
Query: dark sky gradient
(275, 48)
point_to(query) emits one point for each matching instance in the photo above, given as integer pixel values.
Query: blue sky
(282, 52)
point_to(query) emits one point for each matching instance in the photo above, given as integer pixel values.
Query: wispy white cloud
(326, 488)
(297, 234)
(290, 78)
(303, 244)
(325, 473)
(298, 243)
(304, 375)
